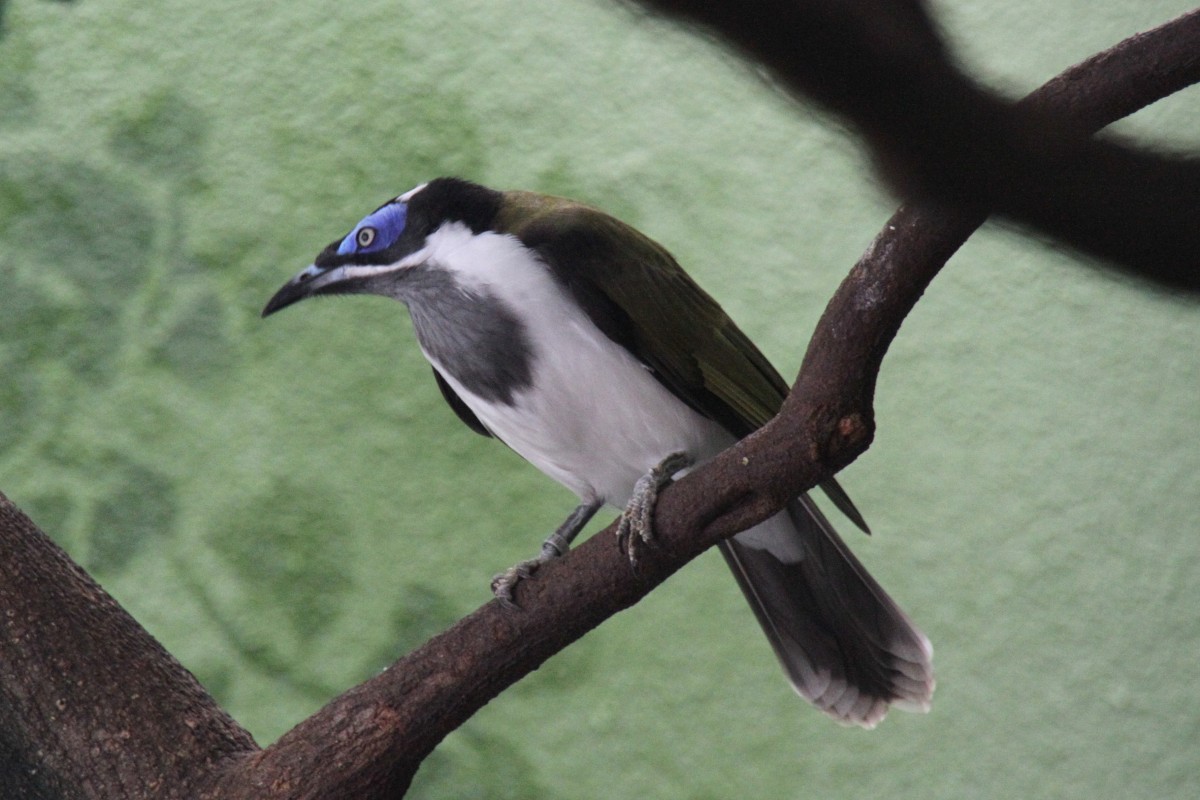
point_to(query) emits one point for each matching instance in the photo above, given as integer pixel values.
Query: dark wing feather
(639, 296)
(455, 402)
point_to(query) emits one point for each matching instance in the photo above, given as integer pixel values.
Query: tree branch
(91, 706)
(826, 423)
(941, 138)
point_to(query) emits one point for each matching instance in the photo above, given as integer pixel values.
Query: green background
(288, 505)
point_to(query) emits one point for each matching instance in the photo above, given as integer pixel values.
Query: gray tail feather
(845, 645)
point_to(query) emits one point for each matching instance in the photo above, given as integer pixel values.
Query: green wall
(288, 505)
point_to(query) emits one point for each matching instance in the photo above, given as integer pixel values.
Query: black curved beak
(303, 285)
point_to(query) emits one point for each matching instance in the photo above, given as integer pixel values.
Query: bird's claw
(505, 583)
(636, 527)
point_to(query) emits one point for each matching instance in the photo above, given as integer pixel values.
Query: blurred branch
(92, 707)
(939, 137)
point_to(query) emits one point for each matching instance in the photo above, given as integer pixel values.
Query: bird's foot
(505, 583)
(556, 545)
(636, 528)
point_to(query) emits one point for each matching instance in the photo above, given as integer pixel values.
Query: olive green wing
(635, 292)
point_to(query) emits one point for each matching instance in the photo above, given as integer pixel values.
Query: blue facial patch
(378, 231)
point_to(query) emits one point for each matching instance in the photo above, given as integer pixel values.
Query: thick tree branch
(939, 137)
(91, 706)
(402, 714)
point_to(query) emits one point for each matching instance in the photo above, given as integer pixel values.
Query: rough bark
(90, 704)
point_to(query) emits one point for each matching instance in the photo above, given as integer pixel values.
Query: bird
(582, 345)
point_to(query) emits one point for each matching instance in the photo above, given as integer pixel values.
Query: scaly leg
(555, 546)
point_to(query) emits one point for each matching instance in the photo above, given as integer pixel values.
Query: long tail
(845, 645)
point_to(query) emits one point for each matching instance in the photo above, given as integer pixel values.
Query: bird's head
(377, 254)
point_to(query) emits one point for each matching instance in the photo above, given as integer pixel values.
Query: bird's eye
(365, 237)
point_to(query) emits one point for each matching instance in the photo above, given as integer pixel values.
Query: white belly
(595, 419)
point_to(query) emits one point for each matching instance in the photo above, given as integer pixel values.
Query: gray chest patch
(475, 337)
